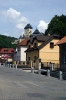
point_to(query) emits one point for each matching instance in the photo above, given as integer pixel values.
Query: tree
(57, 25)
(6, 42)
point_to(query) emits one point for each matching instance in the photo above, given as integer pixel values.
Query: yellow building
(43, 47)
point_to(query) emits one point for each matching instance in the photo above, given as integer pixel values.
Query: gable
(37, 42)
(42, 42)
(47, 47)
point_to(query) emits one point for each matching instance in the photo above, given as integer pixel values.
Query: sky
(16, 14)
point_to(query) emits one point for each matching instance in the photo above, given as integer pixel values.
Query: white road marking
(33, 83)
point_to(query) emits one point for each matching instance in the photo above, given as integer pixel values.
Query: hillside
(5, 41)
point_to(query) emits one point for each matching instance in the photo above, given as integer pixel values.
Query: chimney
(48, 34)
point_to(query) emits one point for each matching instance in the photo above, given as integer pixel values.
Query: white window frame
(64, 58)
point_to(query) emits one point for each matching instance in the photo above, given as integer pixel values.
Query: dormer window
(28, 46)
(35, 45)
(51, 44)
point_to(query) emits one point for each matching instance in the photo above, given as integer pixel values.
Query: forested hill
(5, 41)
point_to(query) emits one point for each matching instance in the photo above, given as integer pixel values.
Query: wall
(31, 54)
(38, 43)
(62, 51)
(23, 54)
(30, 45)
(48, 54)
(20, 55)
(27, 32)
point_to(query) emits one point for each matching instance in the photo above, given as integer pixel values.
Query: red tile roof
(23, 43)
(63, 40)
(6, 50)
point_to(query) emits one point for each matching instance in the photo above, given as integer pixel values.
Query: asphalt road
(17, 84)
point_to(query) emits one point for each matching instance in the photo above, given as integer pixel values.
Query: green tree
(57, 25)
(6, 41)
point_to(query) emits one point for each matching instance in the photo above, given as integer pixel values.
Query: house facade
(62, 53)
(8, 52)
(43, 47)
(19, 54)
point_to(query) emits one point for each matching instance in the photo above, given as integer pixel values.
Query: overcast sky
(15, 14)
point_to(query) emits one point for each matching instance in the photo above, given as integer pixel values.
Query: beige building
(43, 47)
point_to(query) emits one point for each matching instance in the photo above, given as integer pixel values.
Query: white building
(19, 54)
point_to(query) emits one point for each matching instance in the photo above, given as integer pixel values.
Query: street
(16, 84)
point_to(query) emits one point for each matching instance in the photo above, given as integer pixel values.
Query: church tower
(27, 30)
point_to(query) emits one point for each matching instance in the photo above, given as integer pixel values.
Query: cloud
(19, 22)
(16, 18)
(23, 20)
(42, 26)
(11, 15)
(20, 26)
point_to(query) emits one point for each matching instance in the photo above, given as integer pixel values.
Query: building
(36, 32)
(27, 34)
(43, 47)
(27, 31)
(62, 53)
(8, 52)
(19, 54)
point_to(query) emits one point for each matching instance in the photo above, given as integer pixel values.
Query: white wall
(23, 54)
(20, 55)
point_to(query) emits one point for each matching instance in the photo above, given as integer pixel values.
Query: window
(17, 58)
(28, 46)
(35, 45)
(5, 50)
(12, 51)
(35, 57)
(28, 58)
(18, 48)
(51, 44)
(64, 58)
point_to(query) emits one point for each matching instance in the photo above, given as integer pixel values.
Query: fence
(35, 64)
(54, 73)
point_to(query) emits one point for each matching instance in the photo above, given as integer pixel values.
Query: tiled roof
(40, 38)
(23, 43)
(36, 31)
(6, 50)
(44, 40)
(28, 26)
(63, 40)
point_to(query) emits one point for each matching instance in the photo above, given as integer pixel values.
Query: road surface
(17, 84)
